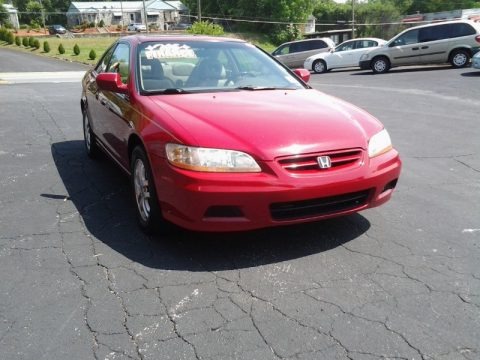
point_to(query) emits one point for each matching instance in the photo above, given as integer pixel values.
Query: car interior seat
(153, 77)
(209, 72)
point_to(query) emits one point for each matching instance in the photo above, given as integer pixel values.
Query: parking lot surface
(402, 281)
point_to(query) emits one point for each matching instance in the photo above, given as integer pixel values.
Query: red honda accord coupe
(216, 135)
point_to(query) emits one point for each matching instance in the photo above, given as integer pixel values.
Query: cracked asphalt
(80, 281)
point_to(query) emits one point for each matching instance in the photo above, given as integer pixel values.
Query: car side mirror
(303, 74)
(111, 82)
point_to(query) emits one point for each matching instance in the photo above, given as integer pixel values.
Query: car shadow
(475, 73)
(100, 192)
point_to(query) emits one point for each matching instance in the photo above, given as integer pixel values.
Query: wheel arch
(464, 48)
(134, 141)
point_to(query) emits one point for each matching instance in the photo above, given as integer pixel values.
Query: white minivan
(454, 42)
(294, 53)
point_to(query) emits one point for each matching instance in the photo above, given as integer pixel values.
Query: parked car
(136, 27)
(181, 26)
(454, 42)
(347, 54)
(218, 136)
(294, 53)
(476, 60)
(56, 29)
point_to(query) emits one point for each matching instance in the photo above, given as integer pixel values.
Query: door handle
(415, 48)
(103, 101)
(424, 47)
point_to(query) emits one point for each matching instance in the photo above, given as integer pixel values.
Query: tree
(3, 14)
(35, 13)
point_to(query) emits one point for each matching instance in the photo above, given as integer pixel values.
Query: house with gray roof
(159, 13)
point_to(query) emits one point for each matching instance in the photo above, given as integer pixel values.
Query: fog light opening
(224, 212)
(390, 186)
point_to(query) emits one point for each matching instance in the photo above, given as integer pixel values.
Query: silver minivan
(454, 42)
(294, 53)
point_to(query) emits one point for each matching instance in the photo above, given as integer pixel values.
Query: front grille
(318, 207)
(306, 163)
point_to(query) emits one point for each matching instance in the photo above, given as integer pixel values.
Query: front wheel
(319, 66)
(380, 65)
(459, 58)
(89, 137)
(145, 196)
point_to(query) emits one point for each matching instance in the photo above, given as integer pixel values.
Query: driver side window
(120, 61)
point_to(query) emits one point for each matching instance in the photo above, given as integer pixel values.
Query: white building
(13, 14)
(159, 13)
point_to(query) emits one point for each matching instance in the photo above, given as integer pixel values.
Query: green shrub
(61, 49)
(10, 38)
(31, 40)
(18, 40)
(3, 34)
(92, 55)
(24, 26)
(76, 50)
(46, 46)
(36, 44)
(25, 41)
(206, 28)
(101, 23)
(91, 24)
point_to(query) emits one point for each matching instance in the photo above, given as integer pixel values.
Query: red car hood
(268, 123)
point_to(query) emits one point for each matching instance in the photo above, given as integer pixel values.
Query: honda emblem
(324, 162)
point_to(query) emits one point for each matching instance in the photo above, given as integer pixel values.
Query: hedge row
(10, 38)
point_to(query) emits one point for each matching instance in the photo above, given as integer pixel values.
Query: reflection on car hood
(267, 124)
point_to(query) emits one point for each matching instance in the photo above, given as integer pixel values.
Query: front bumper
(476, 62)
(365, 64)
(236, 202)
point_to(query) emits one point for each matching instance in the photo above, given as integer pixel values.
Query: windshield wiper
(255, 88)
(168, 91)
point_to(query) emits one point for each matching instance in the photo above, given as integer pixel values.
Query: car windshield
(173, 67)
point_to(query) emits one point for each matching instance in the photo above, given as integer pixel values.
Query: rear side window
(462, 29)
(435, 33)
(317, 44)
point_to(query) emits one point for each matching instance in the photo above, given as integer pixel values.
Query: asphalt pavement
(80, 281)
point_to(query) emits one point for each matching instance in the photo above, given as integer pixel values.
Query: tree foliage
(4, 18)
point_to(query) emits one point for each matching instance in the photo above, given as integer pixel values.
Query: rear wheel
(459, 58)
(145, 196)
(319, 66)
(89, 137)
(380, 65)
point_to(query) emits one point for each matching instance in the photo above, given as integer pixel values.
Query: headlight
(210, 160)
(379, 143)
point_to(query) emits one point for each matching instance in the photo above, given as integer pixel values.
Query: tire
(145, 196)
(89, 138)
(459, 59)
(380, 65)
(319, 66)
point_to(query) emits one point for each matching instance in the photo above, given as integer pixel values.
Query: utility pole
(199, 6)
(353, 19)
(43, 18)
(145, 16)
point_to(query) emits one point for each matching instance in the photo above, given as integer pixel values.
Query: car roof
(138, 39)
(465, 21)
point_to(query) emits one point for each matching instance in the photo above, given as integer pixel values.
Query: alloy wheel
(141, 188)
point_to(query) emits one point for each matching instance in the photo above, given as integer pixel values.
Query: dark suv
(454, 42)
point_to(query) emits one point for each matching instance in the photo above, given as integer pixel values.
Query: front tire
(380, 65)
(319, 66)
(145, 196)
(459, 59)
(89, 137)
